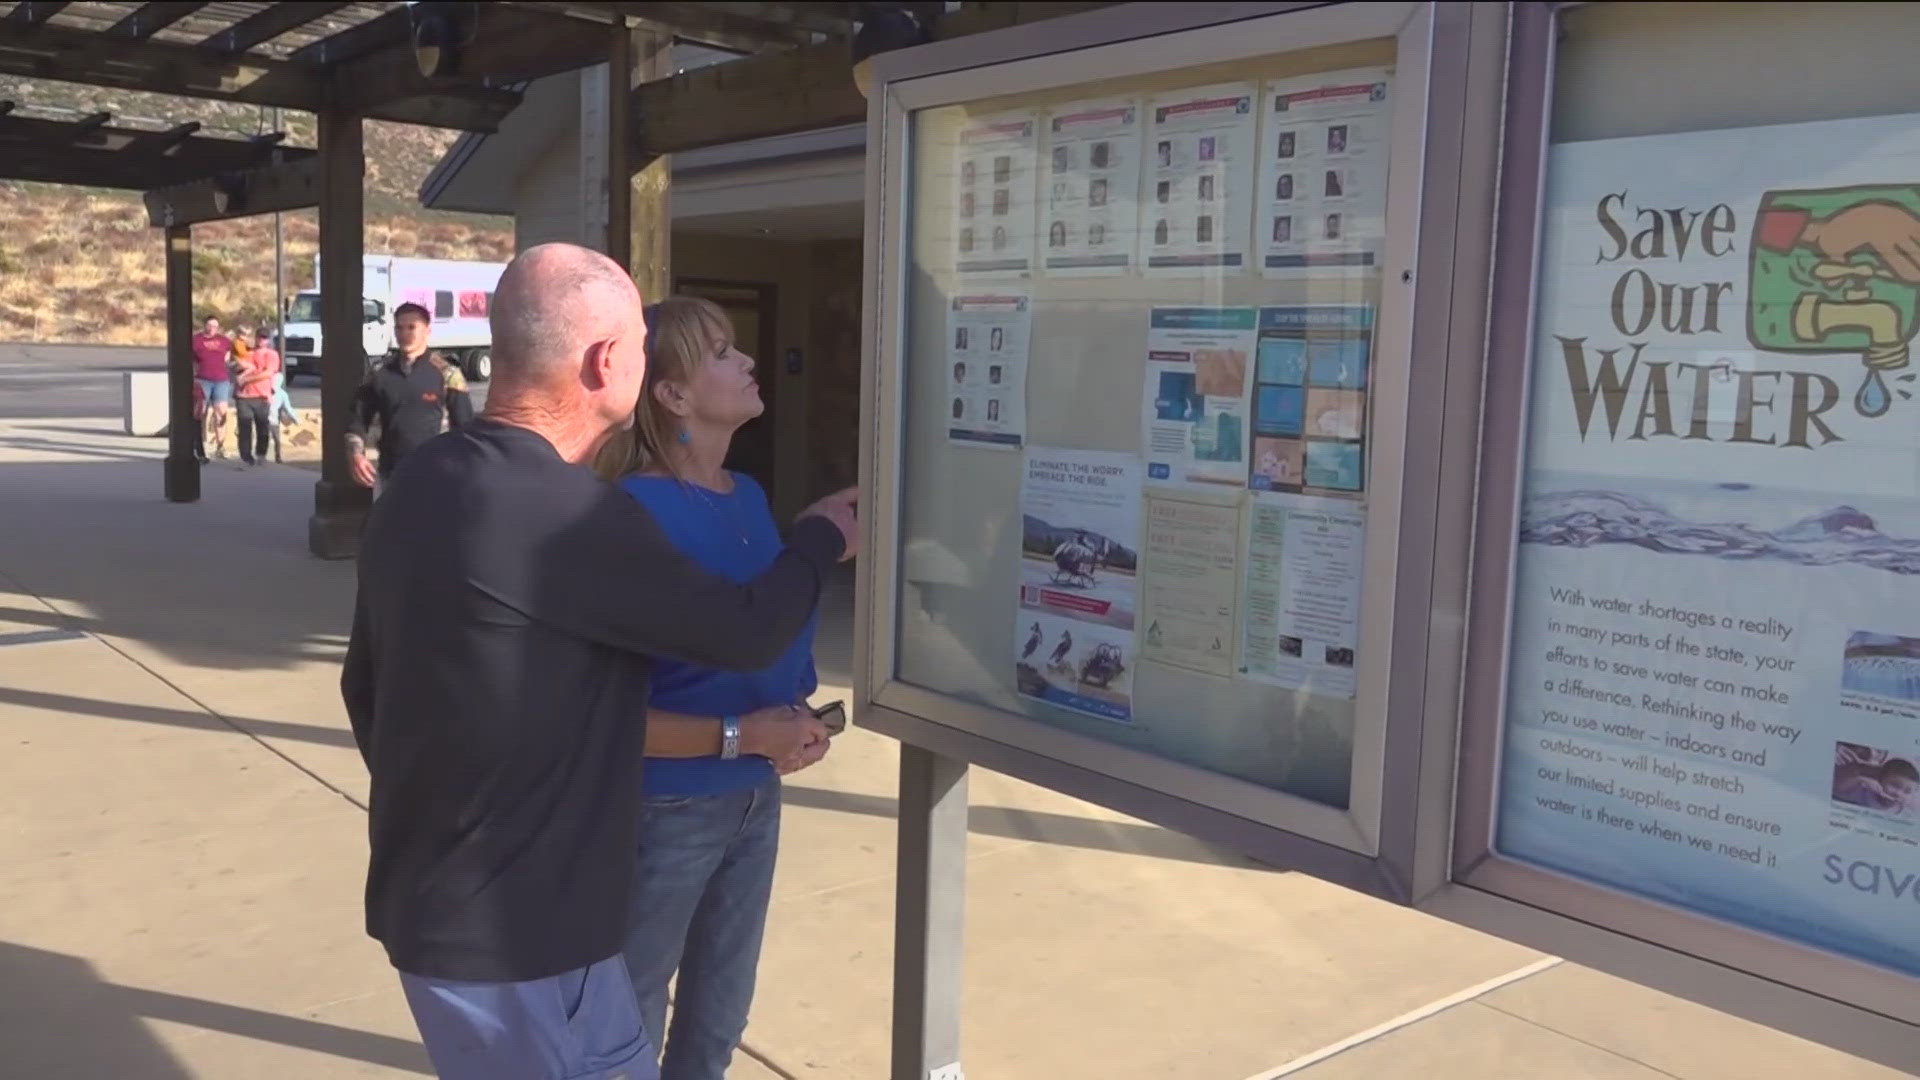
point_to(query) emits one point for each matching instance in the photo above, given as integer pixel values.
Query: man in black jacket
(411, 393)
(497, 682)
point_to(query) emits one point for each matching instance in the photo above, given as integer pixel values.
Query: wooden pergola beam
(265, 189)
(269, 23)
(513, 45)
(97, 59)
(164, 142)
(33, 14)
(780, 93)
(149, 19)
(715, 24)
(384, 86)
(378, 33)
(97, 154)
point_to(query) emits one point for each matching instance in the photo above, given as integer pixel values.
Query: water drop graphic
(1873, 399)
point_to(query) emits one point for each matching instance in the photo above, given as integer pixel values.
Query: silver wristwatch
(729, 737)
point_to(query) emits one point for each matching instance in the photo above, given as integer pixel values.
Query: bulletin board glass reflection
(1137, 410)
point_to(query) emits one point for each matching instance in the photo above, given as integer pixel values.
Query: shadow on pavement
(225, 583)
(185, 718)
(58, 1018)
(1037, 826)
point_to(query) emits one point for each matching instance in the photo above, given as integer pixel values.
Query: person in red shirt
(254, 398)
(211, 348)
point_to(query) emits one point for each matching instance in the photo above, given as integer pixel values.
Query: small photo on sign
(1279, 410)
(1278, 464)
(1883, 665)
(1338, 362)
(1178, 398)
(1220, 372)
(1334, 466)
(1336, 414)
(1283, 360)
(1870, 778)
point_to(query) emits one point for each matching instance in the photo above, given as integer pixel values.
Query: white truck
(457, 294)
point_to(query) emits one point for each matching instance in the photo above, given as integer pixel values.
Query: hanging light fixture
(440, 32)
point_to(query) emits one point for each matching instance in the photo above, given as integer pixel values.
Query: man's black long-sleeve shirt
(408, 399)
(497, 682)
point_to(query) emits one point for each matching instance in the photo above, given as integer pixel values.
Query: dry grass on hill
(83, 265)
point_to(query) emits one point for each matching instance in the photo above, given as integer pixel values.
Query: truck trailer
(457, 294)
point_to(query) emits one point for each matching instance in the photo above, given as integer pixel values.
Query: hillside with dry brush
(83, 265)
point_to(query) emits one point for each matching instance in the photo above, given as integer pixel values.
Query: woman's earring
(685, 438)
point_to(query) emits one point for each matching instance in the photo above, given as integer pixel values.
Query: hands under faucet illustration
(1838, 271)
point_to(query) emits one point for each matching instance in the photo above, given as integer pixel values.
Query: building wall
(546, 201)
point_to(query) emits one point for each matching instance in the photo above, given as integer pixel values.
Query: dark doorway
(751, 308)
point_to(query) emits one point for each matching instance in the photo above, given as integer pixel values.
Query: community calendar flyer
(1301, 599)
(993, 209)
(1092, 188)
(987, 337)
(1714, 695)
(1199, 370)
(1189, 592)
(1200, 176)
(1323, 173)
(1079, 565)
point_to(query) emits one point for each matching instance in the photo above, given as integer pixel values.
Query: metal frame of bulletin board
(1446, 419)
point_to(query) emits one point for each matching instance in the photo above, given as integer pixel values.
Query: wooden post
(182, 482)
(616, 111)
(639, 219)
(339, 502)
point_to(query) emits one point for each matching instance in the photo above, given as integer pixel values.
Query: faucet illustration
(1815, 317)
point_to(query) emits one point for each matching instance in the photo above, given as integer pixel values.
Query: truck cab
(303, 341)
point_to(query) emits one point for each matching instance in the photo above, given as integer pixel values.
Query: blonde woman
(717, 742)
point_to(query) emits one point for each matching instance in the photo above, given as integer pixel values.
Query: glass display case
(1141, 381)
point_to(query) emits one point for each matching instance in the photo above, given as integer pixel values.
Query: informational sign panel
(1714, 697)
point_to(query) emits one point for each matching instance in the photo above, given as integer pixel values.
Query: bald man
(497, 682)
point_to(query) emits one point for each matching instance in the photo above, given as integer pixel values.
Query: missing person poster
(993, 209)
(1714, 696)
(1189, 584)
(1199, 367)
(1301, 600)
(986, 368)
(1323, 173)
(1091, 188)
(1198, 193)
(1079, 564)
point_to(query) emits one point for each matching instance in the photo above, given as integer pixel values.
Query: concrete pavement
(181, 861)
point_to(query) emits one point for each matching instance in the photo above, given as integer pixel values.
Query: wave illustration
(1842, 535)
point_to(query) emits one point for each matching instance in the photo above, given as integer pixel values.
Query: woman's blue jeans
(700, 907)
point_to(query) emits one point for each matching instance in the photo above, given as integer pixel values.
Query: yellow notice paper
(1187, 592)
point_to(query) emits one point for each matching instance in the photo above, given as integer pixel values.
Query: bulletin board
(1141, 394)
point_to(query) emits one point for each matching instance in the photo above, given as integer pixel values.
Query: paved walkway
(183, 845)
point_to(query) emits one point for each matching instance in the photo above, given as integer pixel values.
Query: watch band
(729, 737)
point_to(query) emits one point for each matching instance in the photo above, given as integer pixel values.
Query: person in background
(253, 400)
(717, 741)
(412, 394)
(508, 609)
(280, 407)
(211, 352)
